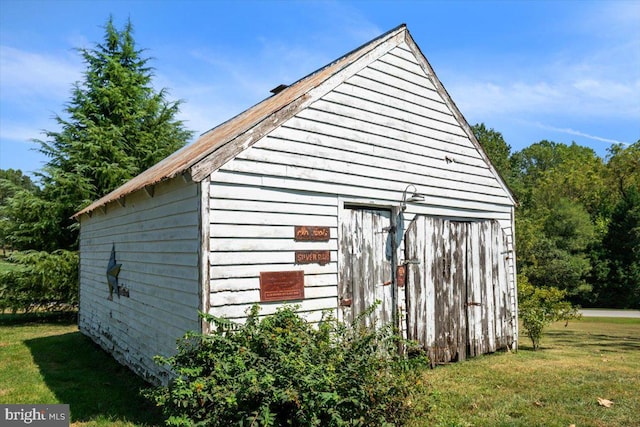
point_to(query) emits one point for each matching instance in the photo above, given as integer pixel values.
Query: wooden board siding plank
(416, 286)
(398, 111)
(204, 254)
(220, 191)
(487, 249)
(431, 275)
(284, 254)
(240, 231)
(435, 206)
(414, 149)
(507, 295)
(269, 218)
(404, 51)
(274, 206)
(498, 290)
(173, 197)
(172, 215)
(387, 159)
(375, 81)
(393, 155)
(448, 145)
(250, 296)
(248, 283)
(182, 234)
(458, 293)
(401, 65)
(372, 73)
(363, 87)
(474, 299)
(375, 150)
(312, 310)
(345, 267)
(233, 271)
(343, 177)
(391, 123)
(419, 80)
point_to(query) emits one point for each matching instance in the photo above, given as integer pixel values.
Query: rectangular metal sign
(313, 257)
(308, 233)
(281, 285)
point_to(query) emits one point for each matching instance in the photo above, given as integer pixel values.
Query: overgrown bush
(285, 371)
(43, 281)
(538, 307)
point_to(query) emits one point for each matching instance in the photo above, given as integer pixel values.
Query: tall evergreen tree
(116, 126)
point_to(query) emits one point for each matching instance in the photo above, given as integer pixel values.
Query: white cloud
(563, 90)
(570, 131)
(19, 132)
(33, 74)
(592, 70)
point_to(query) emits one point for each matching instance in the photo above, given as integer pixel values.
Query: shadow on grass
(56, 318)
(587, 340)
(94, 385)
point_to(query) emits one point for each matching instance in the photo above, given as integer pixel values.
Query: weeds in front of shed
(282, 370)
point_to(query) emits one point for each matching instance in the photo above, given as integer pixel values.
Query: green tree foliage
(539, 306)
(44, 281)
(623, 170)
(12, 183)
(496, 148)
(562, 194)
(285, 371)
(621, 250)
(115, 126)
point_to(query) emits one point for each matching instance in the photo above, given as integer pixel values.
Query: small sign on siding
(281, 285)
(309, 233)
(313, 257)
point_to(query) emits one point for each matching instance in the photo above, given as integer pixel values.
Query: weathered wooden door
(365, 265)
(459, 302)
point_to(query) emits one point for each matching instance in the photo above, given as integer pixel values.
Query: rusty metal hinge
(345, 302)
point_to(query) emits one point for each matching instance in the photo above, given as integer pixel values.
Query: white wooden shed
(360, 182)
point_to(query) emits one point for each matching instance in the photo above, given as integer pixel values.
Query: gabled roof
(222, 143)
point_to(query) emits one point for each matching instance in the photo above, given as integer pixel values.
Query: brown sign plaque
(281, 285)
(401, 275)
(308, 233)
(313, 257)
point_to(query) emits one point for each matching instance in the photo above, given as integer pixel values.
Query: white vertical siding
(365, 141)
(156, 241)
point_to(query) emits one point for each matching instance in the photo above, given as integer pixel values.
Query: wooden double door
(458, 297)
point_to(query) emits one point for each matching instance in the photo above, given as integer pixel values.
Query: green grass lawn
(559, 385)
(44, 359)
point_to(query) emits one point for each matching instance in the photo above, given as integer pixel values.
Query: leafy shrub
(42, 281)
(284, 371)
(538, 307)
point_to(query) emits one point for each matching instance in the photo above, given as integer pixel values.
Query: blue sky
(557, 70)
